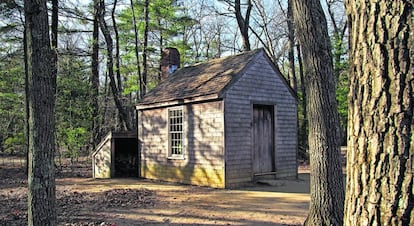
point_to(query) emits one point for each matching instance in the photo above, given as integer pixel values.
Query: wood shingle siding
(270, 89)
(218, 99)
(203, 162)
(101, 159)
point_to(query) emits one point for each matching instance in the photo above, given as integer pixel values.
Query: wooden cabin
(221, 123)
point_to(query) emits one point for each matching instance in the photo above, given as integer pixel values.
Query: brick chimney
(170, 62)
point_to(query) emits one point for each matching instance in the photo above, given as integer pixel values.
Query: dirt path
(284, 204)
(85, 201)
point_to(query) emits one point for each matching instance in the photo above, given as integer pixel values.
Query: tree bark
(291, 52)
(42, 89)
(145, 50)
(304, 126)
(243, 22)
(26, 96)
(117, 55)
(94, 79)
(104, 118)
(123, 113)
(338, 38)
(117, 61)
(380, 124)
(134, 21)
(161, 46)
(54, 26)
(327, 190)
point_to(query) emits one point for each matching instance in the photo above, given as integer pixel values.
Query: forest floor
(81, 200)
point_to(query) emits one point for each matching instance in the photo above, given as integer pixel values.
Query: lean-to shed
(116, 156)
(221, 123)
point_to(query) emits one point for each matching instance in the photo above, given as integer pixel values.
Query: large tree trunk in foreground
(327, 190)
(42, 89)
(380, 125)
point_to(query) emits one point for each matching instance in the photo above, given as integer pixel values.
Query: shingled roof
(200, 80)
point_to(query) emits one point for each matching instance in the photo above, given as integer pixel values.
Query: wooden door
(263, 139)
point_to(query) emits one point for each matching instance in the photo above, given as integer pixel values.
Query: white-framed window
(175, 133)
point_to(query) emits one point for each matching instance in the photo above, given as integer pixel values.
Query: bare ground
(126, 201)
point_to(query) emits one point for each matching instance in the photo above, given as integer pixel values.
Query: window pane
(176, 131)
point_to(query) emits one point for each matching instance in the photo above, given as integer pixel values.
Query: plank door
(263, 139)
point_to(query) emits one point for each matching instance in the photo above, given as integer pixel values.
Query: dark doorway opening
(126, 157)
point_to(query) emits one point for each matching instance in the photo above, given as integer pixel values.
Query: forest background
(105, 57)
(109, 54)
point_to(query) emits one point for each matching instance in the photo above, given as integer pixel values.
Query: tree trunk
(337, 39)
(54, 26)
(304, 126)
(327, 190)
(134, 21)
(117, 56)
(94, 79)
(243, 22)
(118, 77)
(145, 50)
(380, 125)
(267, 41)
(42, 89)
(123, 113)
(26, 91)
(161, 46)
(291, 52)
(104, 118)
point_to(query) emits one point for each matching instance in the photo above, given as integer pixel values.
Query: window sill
(175, 158)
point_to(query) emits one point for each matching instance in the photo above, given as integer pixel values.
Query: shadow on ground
(123, 201)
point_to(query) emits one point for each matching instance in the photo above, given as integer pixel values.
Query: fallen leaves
(129, 198)
(73, 207)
